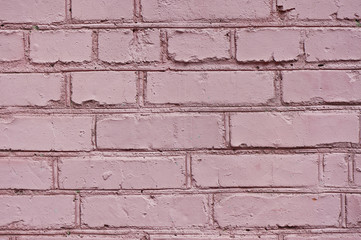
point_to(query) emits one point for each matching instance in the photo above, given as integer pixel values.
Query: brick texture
(180, 119)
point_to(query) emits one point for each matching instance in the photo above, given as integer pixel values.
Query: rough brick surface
(321, 86)
(122, 173)
(154, 211)
(357, 169)
(11, 46)
(194, 88)
(124, 46)
(324, 237)
(37, 89)
(63, 46)
(102, 9)
(46, 133)
(120, 87)
(333, 45)
(254, 170)
(335, 170)
(161, 131)
(353, 209)
(292, 129)
(36, 11)
(200, 45)
(180, 119)
(38, 212)
(201, 10)
(320, 9)
(268, 45)
(25, 173)
(272, 210)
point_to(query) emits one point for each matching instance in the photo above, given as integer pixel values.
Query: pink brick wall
(180, 119)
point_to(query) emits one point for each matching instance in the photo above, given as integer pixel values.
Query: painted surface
(180, 119)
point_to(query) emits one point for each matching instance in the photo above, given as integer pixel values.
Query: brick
(102, 9)
(11, 45)
(246, 237)
(325, 236)
(353, 210)
(261, 210)
(122, 173)
(293, 129)
(267, 45)
(141, 211)
(203, 10)
(45, 133)
(335, 170)
(321, 86)
(308, 9)
(203, 88)
(349, 9)
(36, 89)
(25, 173)
(357, 169)
(255, 170)
(37, 212)
(200, 45)
(168, 131)
(36, 11)
(120, 87)
(79, 237)
(63, 46)
(124, 46)
(333, 45)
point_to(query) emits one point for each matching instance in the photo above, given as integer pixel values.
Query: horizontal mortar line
(175, 191)
(183, 231)
(177, 110)
(345, 146)
(240, 24)
(204, 65)
(169, 153)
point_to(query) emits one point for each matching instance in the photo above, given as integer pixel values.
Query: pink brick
(261, 210)
(102, 9)
(335, 170)
(79, 237)
(120, 87)
(11, 45)
(141, 211)
(124, 46)
(203, 87)
(122, 173)
(293, 129)
(255, 170)
(45, 133)
(63, 46)
(35, 212)
(308, 9)
(168, 131)
(353, 210)
(349, 9)
(268, 45)
(36, 89)
(198, 45)
(326, 236)
(333, 45)
(37, 11)
(25, 173)
(246, 237)
(357, 169)
(202, 10)
(321, 86)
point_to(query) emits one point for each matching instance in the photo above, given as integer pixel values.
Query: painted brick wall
(180, 119)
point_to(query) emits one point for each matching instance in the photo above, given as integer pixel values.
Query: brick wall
(180, 119)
